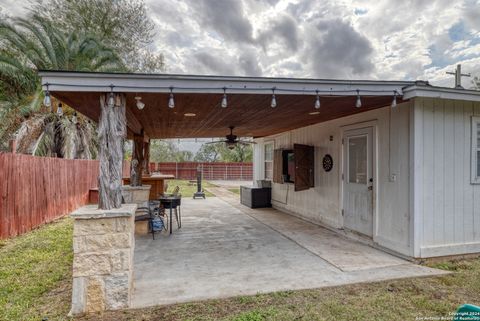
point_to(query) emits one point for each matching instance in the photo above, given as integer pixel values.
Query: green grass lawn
(35, 283)
(186, 188)
(235, 190)
(35, 273)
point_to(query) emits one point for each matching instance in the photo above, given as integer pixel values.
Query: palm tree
(29, 45)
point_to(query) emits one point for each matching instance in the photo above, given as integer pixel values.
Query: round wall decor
(327, 163)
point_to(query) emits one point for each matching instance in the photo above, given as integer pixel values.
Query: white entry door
(358, 180)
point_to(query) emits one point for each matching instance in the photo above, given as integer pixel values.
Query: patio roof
(248, 108)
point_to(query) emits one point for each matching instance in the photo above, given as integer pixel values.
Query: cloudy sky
(381, 39)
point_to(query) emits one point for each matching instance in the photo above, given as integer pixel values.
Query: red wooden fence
(211, 171)
(36, 190)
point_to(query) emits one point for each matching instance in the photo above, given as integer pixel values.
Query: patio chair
(152, 214)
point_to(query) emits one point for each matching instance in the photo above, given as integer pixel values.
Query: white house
(404, 178)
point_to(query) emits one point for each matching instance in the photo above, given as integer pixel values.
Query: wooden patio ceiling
(251, 114)
(248, 108)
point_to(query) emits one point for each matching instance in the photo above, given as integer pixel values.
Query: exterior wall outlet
(393, 177)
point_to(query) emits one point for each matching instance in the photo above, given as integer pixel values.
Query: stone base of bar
(103, 247)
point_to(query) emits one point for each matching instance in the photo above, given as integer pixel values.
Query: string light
(60, 110)
(224, 99)
(317, 101)
(358, 103)
(111, 97)
(47, 101)
(273, 104)
(140, 104)
(171, 101)
(394, 101)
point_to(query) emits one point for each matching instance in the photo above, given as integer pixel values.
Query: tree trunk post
(112, 131)
(137, 160)
(146, 158)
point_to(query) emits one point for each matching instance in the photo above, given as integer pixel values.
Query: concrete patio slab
(220, 251)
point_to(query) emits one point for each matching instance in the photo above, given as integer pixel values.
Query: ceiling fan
(232, 140)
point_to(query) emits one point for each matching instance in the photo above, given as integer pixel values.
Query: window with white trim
(268, 156)
(476, 150)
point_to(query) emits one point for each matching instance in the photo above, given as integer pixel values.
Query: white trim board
(440, 92)
(449, 249)
(473, 169)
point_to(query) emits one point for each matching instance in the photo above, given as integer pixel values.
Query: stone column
(103, 247)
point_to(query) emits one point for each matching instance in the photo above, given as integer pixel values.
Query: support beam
(112, 130)
(137, 160)
(132, 122)
(146, 158)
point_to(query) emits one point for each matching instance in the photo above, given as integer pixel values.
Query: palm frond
(38, 31)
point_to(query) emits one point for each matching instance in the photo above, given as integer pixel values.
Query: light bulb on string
(60, 110)
(74, 118)
(171, 101)
(317, 101)
(111, 97)
(47, 100)
(394, 101)
(358, 103)
(273, 104)
(224, 99)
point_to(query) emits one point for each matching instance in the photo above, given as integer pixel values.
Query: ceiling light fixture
(314, 113)
(189, 114)
(140, 104)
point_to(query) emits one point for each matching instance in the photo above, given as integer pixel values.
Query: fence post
(176, 170)
(13, 146)
(241, 172)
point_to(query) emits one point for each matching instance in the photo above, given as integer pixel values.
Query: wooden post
(13, 146)
(112, 130)
(146, 158)
(137, 160)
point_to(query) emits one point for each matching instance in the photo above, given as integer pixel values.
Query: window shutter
(277, 166)
(304, 167)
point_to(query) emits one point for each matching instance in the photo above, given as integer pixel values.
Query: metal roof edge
(82, 74)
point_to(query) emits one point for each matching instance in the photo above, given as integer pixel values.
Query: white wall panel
(322, 204)
(450, 204)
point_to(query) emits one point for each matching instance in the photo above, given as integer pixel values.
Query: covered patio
(225, 249)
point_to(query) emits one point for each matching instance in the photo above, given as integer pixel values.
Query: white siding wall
(447, 205)
(259, 160)
(322, 204)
